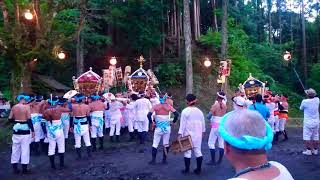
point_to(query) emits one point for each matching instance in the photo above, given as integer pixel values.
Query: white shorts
(157, 137)
(213, 137)
(282, 124)
(142, 126)
(311, 133)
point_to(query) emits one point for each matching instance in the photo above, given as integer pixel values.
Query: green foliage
(212, 38)
(314, 79)
(169, 74)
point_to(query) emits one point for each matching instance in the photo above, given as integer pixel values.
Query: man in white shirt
(310, 108)
(142, 107)
(192, 123)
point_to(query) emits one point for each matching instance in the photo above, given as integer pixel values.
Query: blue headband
(246, 142)
(79, 98)
(25, 97)
(163, 99)
(95, 97)
(52, 102)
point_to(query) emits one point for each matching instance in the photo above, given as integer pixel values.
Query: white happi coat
(142, 107)
(192, 123)
(115, 112)
(131, 114)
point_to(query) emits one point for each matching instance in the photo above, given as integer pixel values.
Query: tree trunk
(195, 19)
(16, 14)
(187, 43)
(224, 30)
(163, 33)
(304, 46)
(214, 18)
(80, 59)
(198, 19)
(178, 32)
(5, 15)
(270, 21)
(279, 19)
(175, 18)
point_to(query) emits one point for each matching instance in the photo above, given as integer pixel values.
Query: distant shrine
(140, 80)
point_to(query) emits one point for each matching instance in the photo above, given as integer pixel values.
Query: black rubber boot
(143, 137)
(107, 131)
(42, 145)
(61, 158)
(221, 153)
(25, 169)
(187, 165)
(53, 165)
(213, 157)
(36, 148)
(15, 168)
(117, 138)
(164, 159)
(101, 143)
(140, 137)
(131, 136)
(285, 135)
(88, 151)
(94, 144)
(78, 151)
(275, 138)
(46, 147)
(199, 163)
(111, 139)
(154, 156)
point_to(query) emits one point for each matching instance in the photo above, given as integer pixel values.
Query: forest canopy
(253, 34)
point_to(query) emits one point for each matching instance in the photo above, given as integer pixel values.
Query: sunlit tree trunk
(187, 43)
(80, 58)
(224, 34)
(178, 18)
(304, 46)
(280, 20)
(5, 15)
(270, 21)
(224, 30)
(214, 18)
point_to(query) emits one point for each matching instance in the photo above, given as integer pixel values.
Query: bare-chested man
(65, 117)
(163, 128)
(55, 131)
(36, 108)
(218, 109)
(21, 138)
(80, 125)
(97, 108)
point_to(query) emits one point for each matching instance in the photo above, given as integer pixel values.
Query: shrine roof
(89, 76)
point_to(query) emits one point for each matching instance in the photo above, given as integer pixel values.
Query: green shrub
(169, 74)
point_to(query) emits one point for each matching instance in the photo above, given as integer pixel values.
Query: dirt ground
(128, 162)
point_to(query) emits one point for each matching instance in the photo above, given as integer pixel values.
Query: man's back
(310, 108)
(20, 112)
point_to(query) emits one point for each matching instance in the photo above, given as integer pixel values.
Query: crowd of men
(242, 135)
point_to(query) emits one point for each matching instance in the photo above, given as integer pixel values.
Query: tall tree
(214, 18)
(224, 30)
(279, 5)
(187, 44)
(269, 20)
(304, 46)
(5, 15)
(80, 43)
